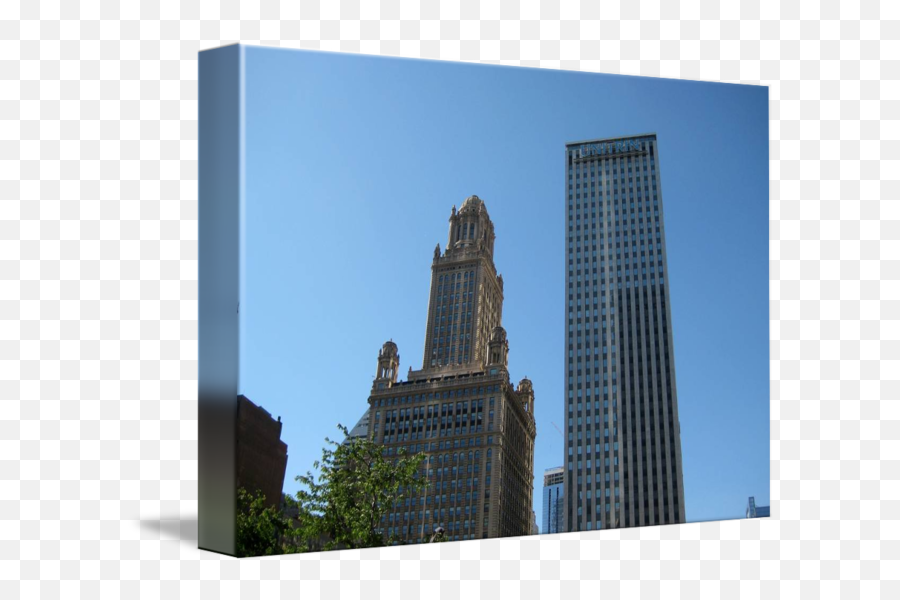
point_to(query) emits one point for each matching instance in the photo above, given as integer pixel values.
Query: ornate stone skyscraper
(461, 409)
(462, 314)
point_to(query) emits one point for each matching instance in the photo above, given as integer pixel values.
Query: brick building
(261, 455)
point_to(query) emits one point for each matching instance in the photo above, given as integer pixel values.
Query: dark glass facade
(553, 520)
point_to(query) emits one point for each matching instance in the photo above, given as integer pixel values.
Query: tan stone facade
(476, 428)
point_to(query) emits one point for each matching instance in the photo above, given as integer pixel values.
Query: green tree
(261, 529)
(356, 487)
(438, 536)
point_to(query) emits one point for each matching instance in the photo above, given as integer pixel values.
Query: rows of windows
(469, 442)
(614, 200)
(650, 417)
(446, 394)
(585, 183)
(456, 279)
(612, 188)
(641, 260)
(660, 498)
(413, 524)
(516, 482)
(620, 261)
(450, 500)
(435, 420)
(645, 282)
(616, 212)
(578, 221)
(454, 302)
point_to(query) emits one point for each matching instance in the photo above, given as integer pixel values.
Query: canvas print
(447, 302)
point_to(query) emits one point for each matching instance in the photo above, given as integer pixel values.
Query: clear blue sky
(352, 166)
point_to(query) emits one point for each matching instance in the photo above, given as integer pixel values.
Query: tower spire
(466, 294)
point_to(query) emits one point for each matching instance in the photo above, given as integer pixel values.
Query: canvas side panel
(220, 189)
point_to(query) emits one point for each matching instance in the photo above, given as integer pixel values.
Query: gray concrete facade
(623, 441)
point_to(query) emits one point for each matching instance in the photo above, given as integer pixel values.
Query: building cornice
(610, 139)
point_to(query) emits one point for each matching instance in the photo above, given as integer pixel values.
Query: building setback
(360, 430)
(261, 456)
(623, 447)
(460, 409)
(553, 514)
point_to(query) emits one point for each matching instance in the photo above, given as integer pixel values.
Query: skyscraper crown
(472, 203)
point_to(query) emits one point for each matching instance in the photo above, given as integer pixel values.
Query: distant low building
(754, 511)
(553, 520)
(261, 456)
(534, 525)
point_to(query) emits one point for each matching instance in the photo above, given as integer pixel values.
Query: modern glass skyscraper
(553, 519)
(623, 446)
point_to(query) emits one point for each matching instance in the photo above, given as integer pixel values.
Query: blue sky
(352, 166)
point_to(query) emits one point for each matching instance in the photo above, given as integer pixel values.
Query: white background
(98, 298)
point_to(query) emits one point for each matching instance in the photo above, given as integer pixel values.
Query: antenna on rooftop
(558, 429)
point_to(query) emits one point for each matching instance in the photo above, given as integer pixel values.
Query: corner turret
(388, 366)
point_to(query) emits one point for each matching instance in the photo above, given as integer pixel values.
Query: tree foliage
(341, 508)
(357, 485)
(261, 529)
